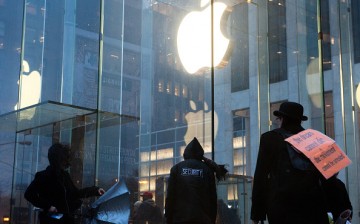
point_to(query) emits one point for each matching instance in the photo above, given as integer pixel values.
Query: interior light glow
(358, 94)
(114, 56)
(194, 38)
(30, 89)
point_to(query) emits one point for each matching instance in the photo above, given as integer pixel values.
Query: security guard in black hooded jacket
(191, 193)
(53, 191)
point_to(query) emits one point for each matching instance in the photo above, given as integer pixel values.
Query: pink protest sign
(323, 151)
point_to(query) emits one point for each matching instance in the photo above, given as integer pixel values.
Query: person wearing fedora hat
(282, 192)
(291, 110)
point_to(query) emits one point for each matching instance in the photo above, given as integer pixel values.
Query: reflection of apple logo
(199, 123)
(30, 87)
(313, 82)
(194, 38)
(358, 94)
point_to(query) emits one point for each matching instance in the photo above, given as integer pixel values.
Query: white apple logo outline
(194, 38)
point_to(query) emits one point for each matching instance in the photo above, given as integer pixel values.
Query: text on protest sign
(323, 151)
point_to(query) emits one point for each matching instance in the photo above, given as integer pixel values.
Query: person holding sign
(287, 186)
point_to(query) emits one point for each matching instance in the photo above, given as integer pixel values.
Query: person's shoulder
(42, 177)
(271, 133)
(193, 163)
(42, 173)
(339, 183)
(174, 167)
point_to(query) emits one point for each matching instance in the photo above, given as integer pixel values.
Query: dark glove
(220, 170)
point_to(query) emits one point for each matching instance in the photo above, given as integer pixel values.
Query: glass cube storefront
(129, 83)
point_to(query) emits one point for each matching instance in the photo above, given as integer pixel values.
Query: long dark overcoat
(285, 195)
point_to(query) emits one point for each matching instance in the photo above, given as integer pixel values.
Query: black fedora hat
(291, 110)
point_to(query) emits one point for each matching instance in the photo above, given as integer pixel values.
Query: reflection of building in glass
(104, 63)
(240, 121)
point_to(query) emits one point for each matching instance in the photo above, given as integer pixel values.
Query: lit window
(160, 86)
(184, 91)
(176, 90)
(168, 88)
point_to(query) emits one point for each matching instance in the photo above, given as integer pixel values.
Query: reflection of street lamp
(6, 219)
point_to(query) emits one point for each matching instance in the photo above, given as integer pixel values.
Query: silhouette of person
(135, 208)
(281, 193)
(148, 212)
(191, 193)
(53, 191)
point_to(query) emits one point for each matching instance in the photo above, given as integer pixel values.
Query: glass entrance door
(30, 156)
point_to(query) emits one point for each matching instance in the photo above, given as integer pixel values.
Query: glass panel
(240, 36)
(134, 90)
(355, 9)
(120, 60)
(7, 145)
(81, 53)
(234, 197)
(10, 47)
(329, 114)
(30, 78)
(31, 156)
(241, 147)
(297, 36)
(59, 55)
(180, 106)
(277, 40)
(52, 112)
(327, 39)
(344, 106)
(39, 115)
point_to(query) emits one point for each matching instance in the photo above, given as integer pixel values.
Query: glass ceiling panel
(50, 112)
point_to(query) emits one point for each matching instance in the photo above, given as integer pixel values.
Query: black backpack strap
(284, 133)
(298, 160)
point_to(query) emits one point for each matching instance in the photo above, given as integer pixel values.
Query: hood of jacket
(150, 202)
(193, 150)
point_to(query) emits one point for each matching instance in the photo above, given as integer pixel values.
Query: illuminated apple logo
(194, 38)
(197, 122)
(30, 88)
